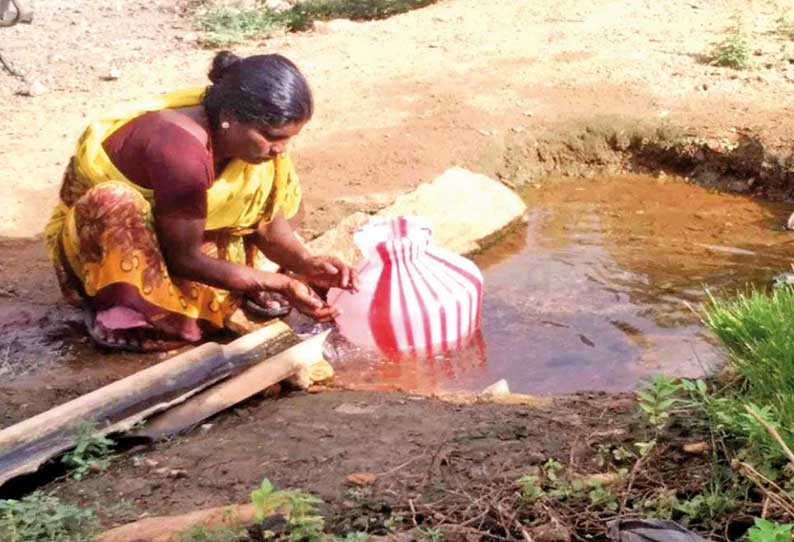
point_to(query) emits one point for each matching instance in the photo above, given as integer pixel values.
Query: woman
(167, 208)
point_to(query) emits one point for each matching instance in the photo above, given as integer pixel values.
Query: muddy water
(594, 293)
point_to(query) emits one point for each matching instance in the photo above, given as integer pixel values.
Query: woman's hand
(307, 301)
(328, 272)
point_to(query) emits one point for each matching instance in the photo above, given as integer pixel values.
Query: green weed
(531, 487)
(427, 534)
(304, 522)
(768, 531)
(90, 453)
(225, 26)
(303, 14)
(43, 518)
(657, 399)
(733, 51)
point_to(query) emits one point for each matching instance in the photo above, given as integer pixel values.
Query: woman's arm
(181, 239)
(277, 241)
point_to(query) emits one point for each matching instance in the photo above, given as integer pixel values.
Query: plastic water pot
(415, 299)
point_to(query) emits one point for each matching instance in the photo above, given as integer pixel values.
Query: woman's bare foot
(131, 340)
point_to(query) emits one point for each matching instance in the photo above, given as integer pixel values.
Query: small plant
(709, 505)
(657, 399)
(304, 522)
(428, 534)
(768, 531)
(531, 487)
(394, 522)
(90, 453)
(602, 497)
(733, 51)
(43, 518)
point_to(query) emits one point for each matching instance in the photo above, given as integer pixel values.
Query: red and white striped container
(415, 299)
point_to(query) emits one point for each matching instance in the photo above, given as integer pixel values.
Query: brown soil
(315, 441)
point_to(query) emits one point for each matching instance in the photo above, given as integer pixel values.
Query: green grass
(226, 26)
(308, 11)
(43, 518)
(758, 330)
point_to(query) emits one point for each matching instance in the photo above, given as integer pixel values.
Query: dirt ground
(315, 441)
(401, 100)
(398, 101)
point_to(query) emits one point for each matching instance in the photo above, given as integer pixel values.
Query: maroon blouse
(155, 153)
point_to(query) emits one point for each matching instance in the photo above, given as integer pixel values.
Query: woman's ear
(225, 120)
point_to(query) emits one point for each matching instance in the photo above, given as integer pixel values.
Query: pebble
(113, 74)
(34, 89)
(361, 479)
(696, 447)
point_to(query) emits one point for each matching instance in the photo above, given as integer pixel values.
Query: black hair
(260, 88)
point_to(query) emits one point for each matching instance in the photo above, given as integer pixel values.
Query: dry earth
(400, 100)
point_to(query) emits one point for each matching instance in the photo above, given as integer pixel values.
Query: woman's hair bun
(221, 64)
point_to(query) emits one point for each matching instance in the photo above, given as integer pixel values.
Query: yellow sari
(101, 233)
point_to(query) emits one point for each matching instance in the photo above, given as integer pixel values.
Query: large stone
(465, 209)
(339, 240)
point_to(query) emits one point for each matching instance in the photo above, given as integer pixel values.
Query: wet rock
(339, 240)
(497, 389)
(481, 208)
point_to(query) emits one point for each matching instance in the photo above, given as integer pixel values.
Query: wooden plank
(223, 395)
(120, 405)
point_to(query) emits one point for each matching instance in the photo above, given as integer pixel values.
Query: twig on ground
(772, 431)
(779, 496)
